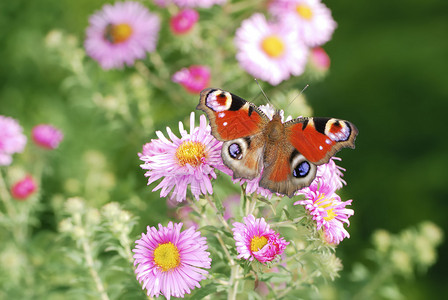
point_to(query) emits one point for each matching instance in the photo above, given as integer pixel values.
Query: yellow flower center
(166, 256)
(304, 11)
(257, 243)
(330, 212)
(273, 46)
(190, 153)
(118, 33)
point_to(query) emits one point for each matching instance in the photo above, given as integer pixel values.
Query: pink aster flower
(312, 19)
(121, 33)
(327, 209)
(255, 239)
(12, 139)
(171, 262)
(270, 51)
(188, 161)
(23, 188)
(194, 79)
(46, 136)
(184, 21)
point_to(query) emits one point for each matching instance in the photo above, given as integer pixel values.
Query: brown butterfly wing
(285, 169)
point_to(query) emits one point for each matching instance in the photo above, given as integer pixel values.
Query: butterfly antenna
(262, 90)
(301, 92)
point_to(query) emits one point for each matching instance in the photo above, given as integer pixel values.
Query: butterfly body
(286, 155)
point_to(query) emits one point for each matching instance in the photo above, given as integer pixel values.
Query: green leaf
(204, 291)
(219, 206)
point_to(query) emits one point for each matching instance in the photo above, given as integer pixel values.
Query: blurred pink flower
(189, 161)
(312, 19)
(46, 136)
(198, 3)
(231, 205)
(255, 239)
(194, 79)
(327, 209)
(270, 51)
(121, 33)
(184, 21)
(12, 139)
(171, 262)
(319, 59)
(23, 188)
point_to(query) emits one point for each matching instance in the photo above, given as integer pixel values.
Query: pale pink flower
(184, 21)
(198, 3)
(331, 173)
(12, 139)
(186, 162)
(23, 188)
(311, 18)
(121, 33)
(46, 136)
(255, 239)
(270, 51)
(194, 79)
(171, 262)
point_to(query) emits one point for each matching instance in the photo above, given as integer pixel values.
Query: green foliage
(73, 238)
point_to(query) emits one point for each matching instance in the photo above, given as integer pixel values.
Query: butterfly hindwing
(244, 156)
(287, 170)
(231, 117)
(318, 139)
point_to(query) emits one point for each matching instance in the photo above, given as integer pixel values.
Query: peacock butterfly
(287, 153)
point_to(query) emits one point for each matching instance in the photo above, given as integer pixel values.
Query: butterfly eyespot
(301, 170)
(235, 151)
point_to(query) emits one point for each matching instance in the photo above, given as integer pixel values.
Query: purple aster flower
(184, 21)
(194, 79)
(188, 161)
(171, 262)
(255, 239)
(121, 33)
(327, 209)
(270, 51)
(46, 136)
(312, 19)
(23, 188)
(12, 140)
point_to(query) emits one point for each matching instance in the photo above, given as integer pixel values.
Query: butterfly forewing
(318, 139)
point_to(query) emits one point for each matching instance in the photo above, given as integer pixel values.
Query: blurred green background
(388, 76)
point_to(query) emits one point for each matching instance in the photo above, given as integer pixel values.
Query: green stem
(220, 217)
(6, 197)
(372, 286)
(288, 223)
(234, 271)
(90, 264)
